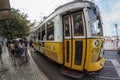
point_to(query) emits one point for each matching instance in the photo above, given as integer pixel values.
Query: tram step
(71, 73)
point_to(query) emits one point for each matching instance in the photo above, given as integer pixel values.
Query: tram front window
(78, 24)
(96, 27)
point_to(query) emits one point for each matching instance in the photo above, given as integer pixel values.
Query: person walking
(22, 50)
(17, 54)
(25, 50)
(12, 52)
(9, 47)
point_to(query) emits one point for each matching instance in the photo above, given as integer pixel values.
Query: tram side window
(78, 24)
(39, 37)
(40, 34)
(43, 36)
(50, 30)
(67, 26)
(36, 36)
(96, 27)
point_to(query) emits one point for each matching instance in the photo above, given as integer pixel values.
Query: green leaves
(19, 26)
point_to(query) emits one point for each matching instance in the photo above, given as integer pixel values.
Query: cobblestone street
(26, 72)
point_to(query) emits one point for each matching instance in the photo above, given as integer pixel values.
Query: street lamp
(116, 35)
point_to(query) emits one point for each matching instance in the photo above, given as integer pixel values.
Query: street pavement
(28, 71)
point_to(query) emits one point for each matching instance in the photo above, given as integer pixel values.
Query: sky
(36, 9)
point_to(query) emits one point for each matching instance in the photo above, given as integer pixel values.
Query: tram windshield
(96, 27)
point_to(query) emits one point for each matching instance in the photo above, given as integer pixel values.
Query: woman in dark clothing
(17, 53)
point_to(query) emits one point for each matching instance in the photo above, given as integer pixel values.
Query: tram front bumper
(96, 66)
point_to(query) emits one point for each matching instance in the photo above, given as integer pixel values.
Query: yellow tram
(72, 36)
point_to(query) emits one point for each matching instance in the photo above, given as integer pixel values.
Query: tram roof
(72, 2)
(62, 6)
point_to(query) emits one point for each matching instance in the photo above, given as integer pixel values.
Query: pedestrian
(22, 50)
(9, 48)
(1, 54)
(25, 42)
(12, 51)
(17, 54)
(25, 50)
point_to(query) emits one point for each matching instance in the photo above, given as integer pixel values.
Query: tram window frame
(39, 37)
(43, 33)
(50, 30)
(68, 25)
(82, 22)
(40, 33)
(36, 36)
(95, 23)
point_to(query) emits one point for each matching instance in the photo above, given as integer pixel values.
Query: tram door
(74, 41)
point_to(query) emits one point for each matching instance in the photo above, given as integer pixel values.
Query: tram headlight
(95, 43)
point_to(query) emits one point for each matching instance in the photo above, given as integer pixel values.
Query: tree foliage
(19, 26)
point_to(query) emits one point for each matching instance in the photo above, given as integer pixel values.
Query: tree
(19, 26)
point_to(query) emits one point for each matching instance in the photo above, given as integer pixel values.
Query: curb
(34, 65)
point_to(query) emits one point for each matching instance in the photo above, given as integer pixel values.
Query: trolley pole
(116, 35)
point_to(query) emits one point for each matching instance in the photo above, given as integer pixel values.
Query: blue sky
(110, 11)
